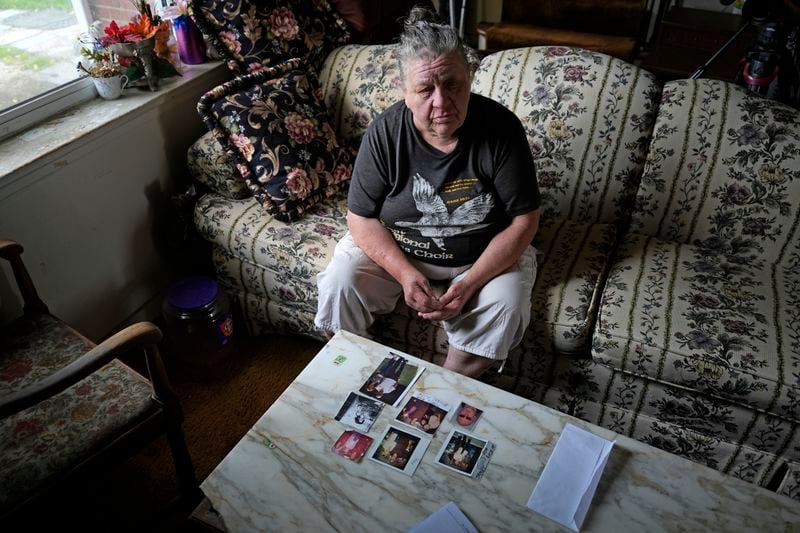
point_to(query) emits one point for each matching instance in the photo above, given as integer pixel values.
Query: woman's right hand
(418, 293)
(378, 243)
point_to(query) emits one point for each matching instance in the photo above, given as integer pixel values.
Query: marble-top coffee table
(297, 484)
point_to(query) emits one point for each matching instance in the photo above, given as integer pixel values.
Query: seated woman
(444, 190)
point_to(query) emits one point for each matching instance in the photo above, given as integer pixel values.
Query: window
(39, 51)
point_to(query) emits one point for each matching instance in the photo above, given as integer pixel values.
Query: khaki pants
(353, 289)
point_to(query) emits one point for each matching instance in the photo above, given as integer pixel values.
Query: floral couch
(667, 304)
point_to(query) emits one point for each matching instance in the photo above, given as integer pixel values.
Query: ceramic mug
(110, 88)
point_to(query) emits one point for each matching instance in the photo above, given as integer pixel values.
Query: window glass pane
(38, 48)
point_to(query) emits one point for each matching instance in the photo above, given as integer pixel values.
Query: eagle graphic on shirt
(436, 222)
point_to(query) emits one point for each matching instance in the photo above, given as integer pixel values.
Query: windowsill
(35, 144)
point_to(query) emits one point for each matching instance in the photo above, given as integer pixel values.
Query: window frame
(45, 105)
(25, 114)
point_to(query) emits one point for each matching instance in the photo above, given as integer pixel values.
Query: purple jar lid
(192, 292)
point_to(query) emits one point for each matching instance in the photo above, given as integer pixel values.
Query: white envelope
(570, 477)
(448, 519)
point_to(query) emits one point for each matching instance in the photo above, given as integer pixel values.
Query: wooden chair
(613, 28)
(68, 406)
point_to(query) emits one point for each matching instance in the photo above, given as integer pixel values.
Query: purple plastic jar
(199, 321)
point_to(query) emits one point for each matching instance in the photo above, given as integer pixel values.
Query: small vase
(110, 88)
(191, 46)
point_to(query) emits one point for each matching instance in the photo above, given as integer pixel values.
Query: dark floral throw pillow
(253, 34)
(274, 126)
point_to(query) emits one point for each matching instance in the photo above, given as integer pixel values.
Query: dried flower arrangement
(138, 49)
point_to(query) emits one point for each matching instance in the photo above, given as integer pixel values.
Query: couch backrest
(588, 117)
(358, 83)
(723, 171)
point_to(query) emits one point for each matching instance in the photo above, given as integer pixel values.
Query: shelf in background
(687, 38)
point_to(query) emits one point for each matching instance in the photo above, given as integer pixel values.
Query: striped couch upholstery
(700, 318)
(649, 228)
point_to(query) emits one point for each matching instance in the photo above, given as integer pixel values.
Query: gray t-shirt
(443, 209)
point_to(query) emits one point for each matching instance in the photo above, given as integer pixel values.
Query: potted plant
(101, 65)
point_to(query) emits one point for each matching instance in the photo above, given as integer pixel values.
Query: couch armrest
(210, 166)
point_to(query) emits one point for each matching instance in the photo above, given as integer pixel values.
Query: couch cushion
(41, 442)
(734, 439)
(588, 117)
(211, 166)
(723, 172)
(253, 34)
(275, 128)
(243, 229)
(692, 317)
(628, 403)
(359, 83)
(573, 260)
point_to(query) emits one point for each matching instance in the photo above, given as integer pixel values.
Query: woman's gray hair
(424, 36)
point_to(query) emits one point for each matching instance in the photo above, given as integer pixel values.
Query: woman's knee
(337, 277)
(511, 298)
(503, 309)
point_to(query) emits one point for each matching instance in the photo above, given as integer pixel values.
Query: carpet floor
(140, 494)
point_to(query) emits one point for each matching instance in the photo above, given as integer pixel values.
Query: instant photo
(393, 377)
(352, 445)
(466, 454)
(359, 412)
(466, 416)
(424, 413)
(400, 450)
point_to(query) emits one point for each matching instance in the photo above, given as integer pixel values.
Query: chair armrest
(139, 336)
(11, 251)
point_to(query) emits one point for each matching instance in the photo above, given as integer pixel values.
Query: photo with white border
(400, 450)
(391, 379)
(423, 412)
(466, 454)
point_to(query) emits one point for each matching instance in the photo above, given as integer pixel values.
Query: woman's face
(466, 416)
(437, 93)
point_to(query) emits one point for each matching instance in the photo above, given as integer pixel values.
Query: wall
(92, 215)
